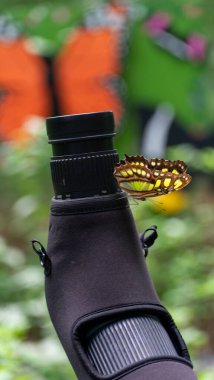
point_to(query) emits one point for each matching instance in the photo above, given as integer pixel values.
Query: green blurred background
(182, 260)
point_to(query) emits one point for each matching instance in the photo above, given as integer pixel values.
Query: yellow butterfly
(142, 178)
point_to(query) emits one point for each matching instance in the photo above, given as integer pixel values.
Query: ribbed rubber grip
(124, 343)
(84, 175)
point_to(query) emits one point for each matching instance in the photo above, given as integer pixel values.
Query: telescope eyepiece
(83, 155)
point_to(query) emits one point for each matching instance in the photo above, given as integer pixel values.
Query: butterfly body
(143, 178)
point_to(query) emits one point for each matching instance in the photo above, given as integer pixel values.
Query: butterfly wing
(144, 179)
(132, 170)
(134, 178)
(175, 167)
(168, 181)
(138, 161)
(164, 184)
(180, 181)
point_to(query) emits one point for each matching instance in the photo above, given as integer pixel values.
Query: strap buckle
(44, 259)
(148, 241)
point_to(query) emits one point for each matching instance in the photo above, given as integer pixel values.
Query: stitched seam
(118, 307)
(55, 212)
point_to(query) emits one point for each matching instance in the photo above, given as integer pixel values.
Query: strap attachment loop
(44, 259)
(148, 241)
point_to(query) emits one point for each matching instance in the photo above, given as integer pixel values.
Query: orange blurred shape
(24, 91)
(86, 70)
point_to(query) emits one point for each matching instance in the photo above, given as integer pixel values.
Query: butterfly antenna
(131, 199)
(157, 204)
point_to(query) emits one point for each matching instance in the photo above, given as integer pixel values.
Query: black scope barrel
(83, 156)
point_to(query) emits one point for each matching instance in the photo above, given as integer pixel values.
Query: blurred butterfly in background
(142, 178)
(85, 75)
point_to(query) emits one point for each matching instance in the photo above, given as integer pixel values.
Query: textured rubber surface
(123, 343)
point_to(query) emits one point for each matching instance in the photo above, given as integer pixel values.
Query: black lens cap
(80, 126)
